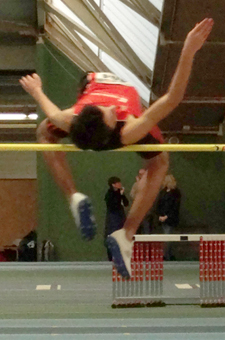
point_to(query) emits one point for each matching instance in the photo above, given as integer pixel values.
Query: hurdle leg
(211, 284)
(219, 262)
(141, 269)
(204, 291)
(215, 274)
(201, 270)
(152, 268)
(131, 281)
(147, 269)
(223, 272)
(161, 269)
(157, 269)
(137, 269)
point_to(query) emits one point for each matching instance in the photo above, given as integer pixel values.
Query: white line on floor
(183, 286)
(43, 287)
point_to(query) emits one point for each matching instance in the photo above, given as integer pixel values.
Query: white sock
(76, 198)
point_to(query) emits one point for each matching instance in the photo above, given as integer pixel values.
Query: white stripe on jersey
(109, 78)
(120, 99)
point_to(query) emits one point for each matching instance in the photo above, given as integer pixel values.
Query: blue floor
(157, 329)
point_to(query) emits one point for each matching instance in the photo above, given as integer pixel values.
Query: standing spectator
(115, 202)
(167, 209)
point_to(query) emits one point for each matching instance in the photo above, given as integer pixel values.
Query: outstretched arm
(60, 118)
(135, 129)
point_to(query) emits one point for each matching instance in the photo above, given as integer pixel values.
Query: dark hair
(113, 180)
(88, 129)
(83, 83)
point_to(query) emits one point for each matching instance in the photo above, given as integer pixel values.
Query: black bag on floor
(27, 249)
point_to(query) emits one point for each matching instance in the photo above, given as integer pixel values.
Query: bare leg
(148, 188)
(56, 162)
(120, 242)
(80, 204)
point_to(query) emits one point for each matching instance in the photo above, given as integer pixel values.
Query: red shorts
(153, 137)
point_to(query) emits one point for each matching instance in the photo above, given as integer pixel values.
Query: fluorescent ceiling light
(33, 116)
(18, 116)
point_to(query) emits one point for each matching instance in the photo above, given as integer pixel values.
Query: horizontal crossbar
(134, 148)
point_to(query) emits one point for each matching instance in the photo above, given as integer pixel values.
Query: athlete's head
(93, 127)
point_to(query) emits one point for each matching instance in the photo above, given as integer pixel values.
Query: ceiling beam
(147, 10)
(72, 25)
(94, 18)
(75, 46)
(76, 55)
(75, 26)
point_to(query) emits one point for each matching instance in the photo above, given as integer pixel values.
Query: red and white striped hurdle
(146, 277)
(212, 272)
(145, 287)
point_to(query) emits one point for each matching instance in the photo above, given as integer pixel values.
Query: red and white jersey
(106, 89)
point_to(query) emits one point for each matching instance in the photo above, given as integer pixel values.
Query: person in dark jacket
(168, 207)
(115, 202)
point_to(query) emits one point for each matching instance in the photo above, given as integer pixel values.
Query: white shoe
(82, 211)
(121, 250)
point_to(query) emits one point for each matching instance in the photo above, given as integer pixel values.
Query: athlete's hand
(31, 84)
(198, 35)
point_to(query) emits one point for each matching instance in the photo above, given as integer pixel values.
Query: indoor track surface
(73, 301)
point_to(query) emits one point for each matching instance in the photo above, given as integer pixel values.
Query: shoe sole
(117, 257)
(87, 222)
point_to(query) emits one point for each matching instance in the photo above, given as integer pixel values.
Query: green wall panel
(200, 177)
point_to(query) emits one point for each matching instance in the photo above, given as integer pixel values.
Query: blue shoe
(82, 211)
(121, 251)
